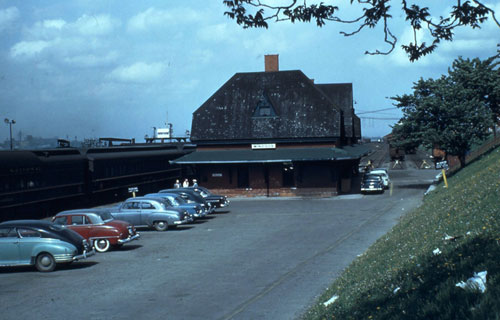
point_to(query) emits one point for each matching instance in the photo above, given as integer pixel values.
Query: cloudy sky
(118, 68)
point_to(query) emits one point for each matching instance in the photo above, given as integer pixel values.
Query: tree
(405, 136)
(482, 78)
(257, 13)
(449, 112)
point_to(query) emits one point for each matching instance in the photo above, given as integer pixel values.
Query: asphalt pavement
(257, 259)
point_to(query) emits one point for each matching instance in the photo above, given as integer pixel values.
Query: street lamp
(10, 123)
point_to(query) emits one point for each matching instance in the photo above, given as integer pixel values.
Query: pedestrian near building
(195, 183)
(185, 184)
(177, 184)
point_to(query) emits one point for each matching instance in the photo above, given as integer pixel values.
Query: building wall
(309, 178)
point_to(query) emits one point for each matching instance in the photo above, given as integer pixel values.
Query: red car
(98, 226)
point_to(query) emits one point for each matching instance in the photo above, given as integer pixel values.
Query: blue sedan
(40, 243)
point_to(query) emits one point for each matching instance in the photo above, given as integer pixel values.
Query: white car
(385, 177)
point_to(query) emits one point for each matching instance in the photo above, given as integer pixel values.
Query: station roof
(273, 155)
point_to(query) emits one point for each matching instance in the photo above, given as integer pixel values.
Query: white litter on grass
(477, 282)
(447, 237)
(432, 187)
(436, 251)
(396, 290)
(330, 301)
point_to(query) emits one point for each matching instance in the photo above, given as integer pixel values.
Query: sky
(117, 68)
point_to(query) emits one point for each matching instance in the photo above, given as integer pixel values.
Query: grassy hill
(400, 276)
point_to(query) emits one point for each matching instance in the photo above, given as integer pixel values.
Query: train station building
(276, 133)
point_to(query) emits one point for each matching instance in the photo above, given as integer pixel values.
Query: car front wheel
(45, 262)
(101, 245)
(161, 225)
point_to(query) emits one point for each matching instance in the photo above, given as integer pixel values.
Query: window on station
(264, 108)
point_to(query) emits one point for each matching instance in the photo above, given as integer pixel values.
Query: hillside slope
(412, 271)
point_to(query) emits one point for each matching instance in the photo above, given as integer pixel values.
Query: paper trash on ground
(477, 282)
(330, 301)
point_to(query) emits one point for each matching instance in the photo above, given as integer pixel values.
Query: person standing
(177, 184)
(195, 183)
(185, 184)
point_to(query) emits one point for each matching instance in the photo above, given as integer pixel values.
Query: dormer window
(264, 108)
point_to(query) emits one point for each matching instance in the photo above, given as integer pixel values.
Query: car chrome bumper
(84, 255)
(372, 189)
(134, 237)
(178, 222)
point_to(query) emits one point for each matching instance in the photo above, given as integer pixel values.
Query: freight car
(396, 153)
(36, 184)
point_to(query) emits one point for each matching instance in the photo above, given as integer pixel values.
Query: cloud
(218, 33)
(53, 24)
(28, 48)
(95, 25)
(91, 60)
(157, 18)
(139, 72)
(80, 43)
(8, 17)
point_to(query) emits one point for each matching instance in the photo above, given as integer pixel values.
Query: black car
(40, 243)
(372, 183)
(217, 200)
(191, 197)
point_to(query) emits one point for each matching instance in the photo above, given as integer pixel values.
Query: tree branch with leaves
(472, 14)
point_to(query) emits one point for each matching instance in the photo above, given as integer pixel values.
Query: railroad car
(38, 183)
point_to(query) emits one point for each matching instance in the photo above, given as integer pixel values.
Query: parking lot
(258, 259)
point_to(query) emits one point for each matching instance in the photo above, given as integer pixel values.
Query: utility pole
(10, 123)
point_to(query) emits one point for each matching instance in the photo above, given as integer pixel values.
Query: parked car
(216, 200)
(191, 196)
(383, 174)
(40, 243)
(175, 201)
(372, 183)
(98, 226)
(150, 212)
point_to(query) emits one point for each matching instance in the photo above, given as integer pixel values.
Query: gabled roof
(299, 109)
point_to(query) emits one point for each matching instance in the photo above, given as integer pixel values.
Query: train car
(113, 170)
(396, 153)
(39, 182)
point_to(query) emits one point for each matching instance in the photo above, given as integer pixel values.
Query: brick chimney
(271, 62)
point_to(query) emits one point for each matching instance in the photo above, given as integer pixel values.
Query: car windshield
(164, 205)
(207, 192)
(372, 177)
(203, 194)
(96, 219)
(106, 216)
(173, 201)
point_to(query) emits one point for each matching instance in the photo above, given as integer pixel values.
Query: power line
(373, 118)
(375, 111)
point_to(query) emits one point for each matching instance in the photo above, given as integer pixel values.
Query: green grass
(399, 277)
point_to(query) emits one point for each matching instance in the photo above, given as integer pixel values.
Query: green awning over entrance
(273, 155)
